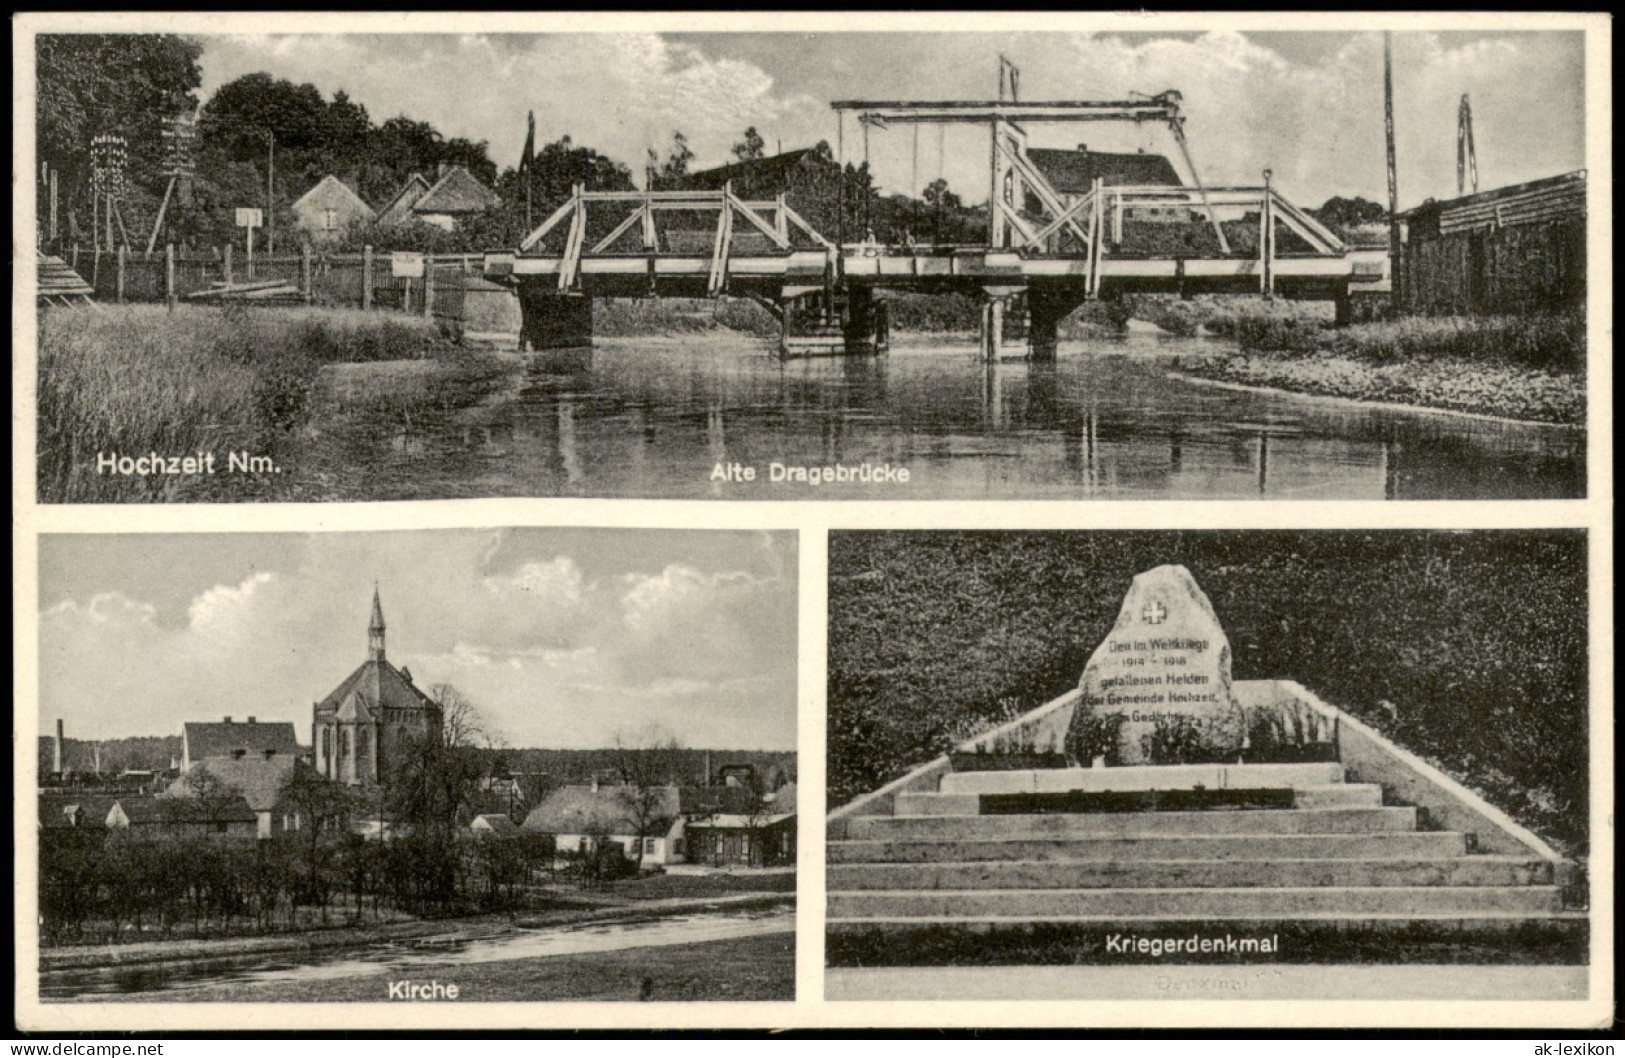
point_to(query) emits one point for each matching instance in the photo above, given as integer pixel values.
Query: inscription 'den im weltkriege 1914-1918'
(1165, 663)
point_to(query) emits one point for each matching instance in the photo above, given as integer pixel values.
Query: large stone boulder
(1157, 689)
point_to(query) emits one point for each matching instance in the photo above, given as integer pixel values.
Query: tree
(130, 85)
(1351, 212)
(440, 771)
(671, 173)
(751, 147)
(321, 805)
(647, 767)
(205, 801)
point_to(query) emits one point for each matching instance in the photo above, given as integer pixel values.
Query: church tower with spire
(375, 628)
(360, 730)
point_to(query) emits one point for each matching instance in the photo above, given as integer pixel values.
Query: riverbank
(1530, 370)
(341, 938)
(137, 382)
(747, 969)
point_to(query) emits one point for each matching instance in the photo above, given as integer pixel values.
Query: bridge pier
(550, 320)
(1046, 308)
(995, 310)
(865, 322)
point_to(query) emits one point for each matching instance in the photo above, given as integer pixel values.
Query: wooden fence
(358, 281)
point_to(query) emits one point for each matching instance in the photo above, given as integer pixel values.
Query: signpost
(407, 266)
(248, 219)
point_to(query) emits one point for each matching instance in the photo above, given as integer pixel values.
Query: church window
(344, 743)
(327, 743)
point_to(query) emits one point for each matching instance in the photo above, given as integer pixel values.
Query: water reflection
(654, 418)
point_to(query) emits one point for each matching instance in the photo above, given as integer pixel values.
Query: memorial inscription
(1159, 684)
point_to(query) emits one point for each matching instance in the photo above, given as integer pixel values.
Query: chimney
(707, 768)
(439, 170)
(56, 750)
(1083, 148)
(96, 750)
(228, 719)
(251, 719)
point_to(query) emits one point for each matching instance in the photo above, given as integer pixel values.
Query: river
(656, 418)
(415, 958)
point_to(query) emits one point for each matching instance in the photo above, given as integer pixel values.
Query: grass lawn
(668, 886)
(752, 969)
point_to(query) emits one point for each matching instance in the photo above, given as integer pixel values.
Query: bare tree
(647, 766)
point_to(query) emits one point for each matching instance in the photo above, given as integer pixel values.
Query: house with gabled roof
(1072, 174)
(398, 209)
(361, 728)
(328, 210)
(204, 739)
(455, 195)
(159, 818)
(259, 780)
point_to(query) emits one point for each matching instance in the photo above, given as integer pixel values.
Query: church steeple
(375, 628)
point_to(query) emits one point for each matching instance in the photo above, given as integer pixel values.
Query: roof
(167, 809)
(1524, 203)
(204, 739)
(757, 171)
(399, 206)
(496, 823)
(459, 191)
(733, 821)
(375, 683)
(259, 780)
(582, 810)
(707, 800)
(330, 191)
(53, 809)
(1074, 172)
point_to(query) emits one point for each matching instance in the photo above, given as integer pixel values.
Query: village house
(359, 731)
(328, 210)
(259, 780)
(1515, 249)
(578, 815)
(169, 818)
(1073, 174)
(455, 196)
(205, 740)
(493, 825)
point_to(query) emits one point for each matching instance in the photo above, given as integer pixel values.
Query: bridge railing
(773, 219)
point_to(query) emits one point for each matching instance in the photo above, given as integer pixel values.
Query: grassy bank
(136, 380)
(1469, 649)
(750, 969)
(1530, 368)
(642, 317)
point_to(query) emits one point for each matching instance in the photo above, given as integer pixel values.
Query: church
(359, 730)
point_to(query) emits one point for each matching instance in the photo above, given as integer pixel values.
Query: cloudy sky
(562, 638)
(1307, 105)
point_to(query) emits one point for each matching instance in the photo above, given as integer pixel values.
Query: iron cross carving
(1154, 613)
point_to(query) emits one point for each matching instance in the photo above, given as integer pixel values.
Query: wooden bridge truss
(1070, 249)
(774, 220)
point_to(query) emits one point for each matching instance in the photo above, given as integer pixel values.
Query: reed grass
(137, 380)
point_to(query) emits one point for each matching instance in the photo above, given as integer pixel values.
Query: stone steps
(1328, 795)
(1134, 824)
(1144, 777)
(1269, 847)
(1194, 903)
(1199, 873)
